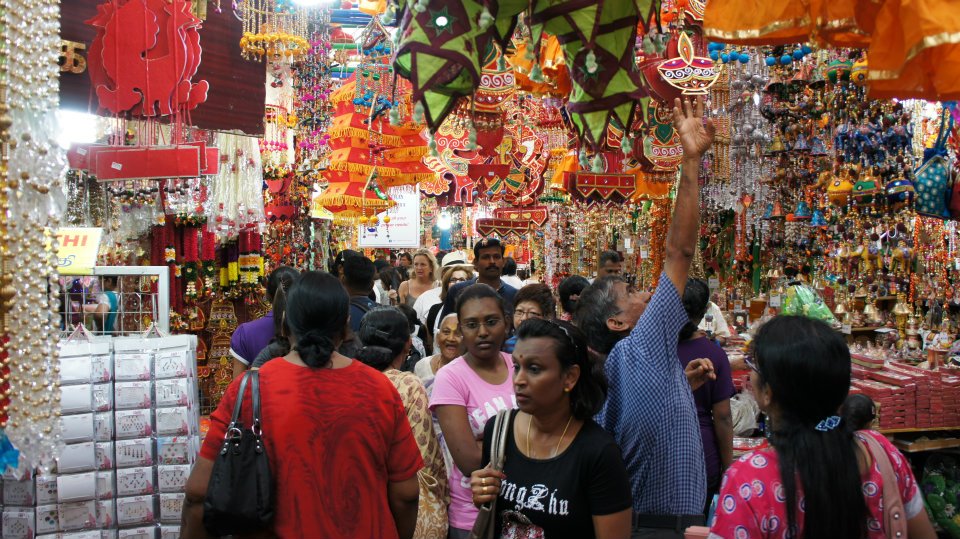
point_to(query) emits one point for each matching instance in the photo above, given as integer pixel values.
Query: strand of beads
(36, 203)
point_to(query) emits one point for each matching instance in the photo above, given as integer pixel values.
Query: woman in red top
(341, 450)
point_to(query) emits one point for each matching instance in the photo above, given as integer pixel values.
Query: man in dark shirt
(358, 277)
(488, 262)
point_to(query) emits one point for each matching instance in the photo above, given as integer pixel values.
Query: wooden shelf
(918, 446)
(914, 430)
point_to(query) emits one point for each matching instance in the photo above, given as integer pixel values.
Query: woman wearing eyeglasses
(470, 390)
(563, 474)
(531, 301)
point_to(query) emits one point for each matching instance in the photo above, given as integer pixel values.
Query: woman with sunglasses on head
(469, 391)
(821, 479)
(563, 475)
(430, 315)
(386, 342)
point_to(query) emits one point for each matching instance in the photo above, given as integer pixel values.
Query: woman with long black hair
(340, 447)
(821, 479)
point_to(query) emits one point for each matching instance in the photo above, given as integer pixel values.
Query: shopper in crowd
(358, 276)
(534, 276)
(280, 345)
(340, 447)
(609, 264)
(425, 276)
(715, 325)
(531, 301)
(569, 293)
(451, 273)
(650, 408)
(469, 391)
(563, 475)
(713, 397)
(385, 336)
(509, 275)
(251, 337)
(860, 412)
(488, 262)
(607, 311)
(404, 265)
(108, 304)
(418, 351)
(820, 478)
(447, 346)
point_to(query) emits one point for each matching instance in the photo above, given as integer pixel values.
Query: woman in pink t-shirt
(471, 390)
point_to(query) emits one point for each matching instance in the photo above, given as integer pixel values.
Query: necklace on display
(556, 450)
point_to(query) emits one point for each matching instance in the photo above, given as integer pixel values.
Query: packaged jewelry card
(131, 367)
(78, 516)
(144, 532)
(48, 518)
(19, 492)
(46, 489)
(176, 450)
(102, 397)
(173, 392)
(76, 399)
(106, 485)
(77, 428)
(132, 424)
(76, 370)
(19, 523)
(105, 455)
(172, 478)
(173, 364)
(132, 453)
(20, 473)
(104, 534)
(102, 368)
(136, 510)
(171, 506)
(91, 534)
(77, 487)
(106, 513)
(76, 458)
(131, 395)
(168, 531)
(135, 481)
(174, 421)
(103, 426)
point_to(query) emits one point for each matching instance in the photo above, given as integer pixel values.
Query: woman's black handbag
(240, 492)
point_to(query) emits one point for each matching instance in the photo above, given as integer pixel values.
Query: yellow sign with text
(77, 250)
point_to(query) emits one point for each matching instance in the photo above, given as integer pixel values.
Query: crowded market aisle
(451, 269)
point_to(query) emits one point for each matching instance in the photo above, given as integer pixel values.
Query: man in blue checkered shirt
(649, 407)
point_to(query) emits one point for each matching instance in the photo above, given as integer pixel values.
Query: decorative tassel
(395, 116)
(418, 113)
(536, 74)
(472, 138)
(626, 145)
(486, 19)
(528, 55)
(597, 164)
(591, 62)
(584, 160)
(432, 144)
(648, 46)
(420, 6)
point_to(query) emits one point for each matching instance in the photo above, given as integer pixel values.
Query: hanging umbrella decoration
(368, 153)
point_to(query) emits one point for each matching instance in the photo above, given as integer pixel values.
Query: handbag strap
(499, 442)
(235, 420)
(255, 396)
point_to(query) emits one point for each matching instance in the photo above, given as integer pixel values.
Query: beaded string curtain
(273, 27)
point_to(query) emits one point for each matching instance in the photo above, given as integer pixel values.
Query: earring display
(129, 445)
